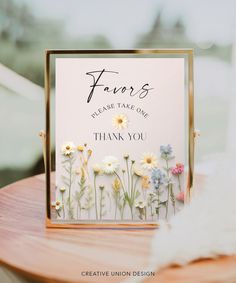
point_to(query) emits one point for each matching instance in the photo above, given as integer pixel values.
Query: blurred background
(27, 27)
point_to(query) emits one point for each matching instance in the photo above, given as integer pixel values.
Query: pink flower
(178, 169)
(180, 197)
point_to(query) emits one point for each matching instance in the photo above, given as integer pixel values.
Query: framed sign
(121, 125)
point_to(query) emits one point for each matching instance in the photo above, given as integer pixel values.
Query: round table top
(72, 255)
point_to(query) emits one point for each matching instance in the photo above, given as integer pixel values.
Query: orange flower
(80, 148)
(145, 181)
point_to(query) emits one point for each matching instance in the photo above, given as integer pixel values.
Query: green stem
(63, 205)
(125, 193)
(122, 210)
(70, 183)
(135, 185)
(123, 177)
(128, 175)
(168, 197)
(131, 211)
(172, 198)
(151, 206)
(158, 204)
(95, 194)
(122, 185)
(131, 176)
(116, 203)
(179, 183)
(89, 201)
(122, 214)
(101, 204)
(167, 204)
(132, 197)
(77, 210)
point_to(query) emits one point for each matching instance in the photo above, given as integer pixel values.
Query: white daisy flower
(140, 204)
(137, 171)
(120, 121)
(57, 204)
(110, 164)
(149, 161)
(68, 148)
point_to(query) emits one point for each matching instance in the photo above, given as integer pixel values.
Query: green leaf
(163, 202)
(157, 209)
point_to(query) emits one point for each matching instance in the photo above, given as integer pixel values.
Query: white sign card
(120, 132)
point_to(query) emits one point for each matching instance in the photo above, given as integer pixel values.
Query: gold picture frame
(188, 55)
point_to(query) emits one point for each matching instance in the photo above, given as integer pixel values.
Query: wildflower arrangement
(145, 190)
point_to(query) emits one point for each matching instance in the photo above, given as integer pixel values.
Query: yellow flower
(149, 161)
(80, 148)
(62, 189)
(89, 151)
(145, 182)
(97, 169)
(126, 156)
(116, 185)
(120, 121)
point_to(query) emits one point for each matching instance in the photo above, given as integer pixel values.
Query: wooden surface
(60, 255)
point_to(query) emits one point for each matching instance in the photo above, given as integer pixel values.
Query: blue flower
(158, 178)
(166, 151)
